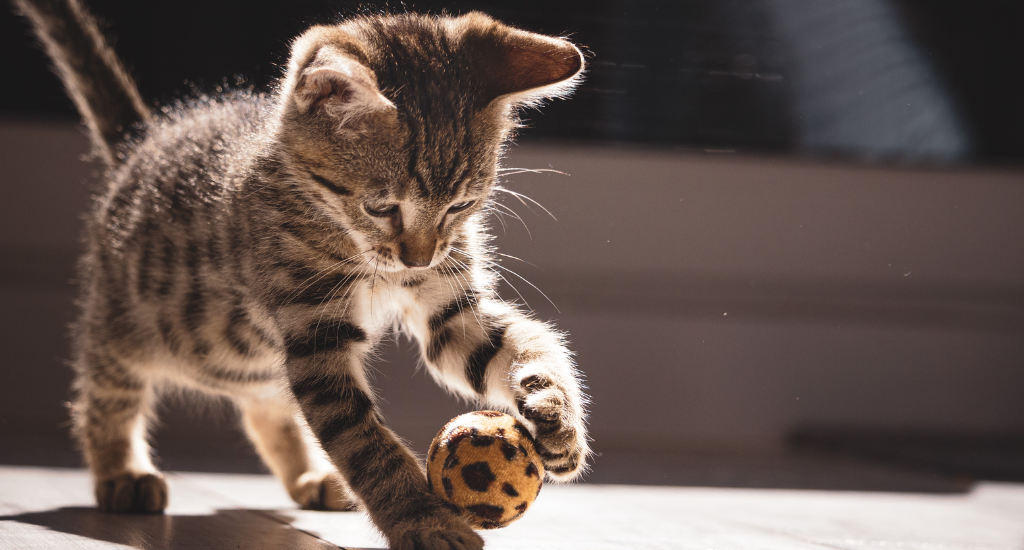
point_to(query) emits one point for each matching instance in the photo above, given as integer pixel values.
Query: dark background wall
(693, 73)
(747, 254)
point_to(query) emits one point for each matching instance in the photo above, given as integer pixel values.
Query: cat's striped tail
(93, 76)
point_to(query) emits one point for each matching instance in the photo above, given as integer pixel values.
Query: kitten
(259, 246)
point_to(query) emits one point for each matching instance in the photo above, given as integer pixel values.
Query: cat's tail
(95, 80)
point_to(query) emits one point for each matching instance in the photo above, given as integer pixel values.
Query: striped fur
(259, 246)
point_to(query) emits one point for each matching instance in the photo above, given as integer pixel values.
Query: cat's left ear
(518, 65)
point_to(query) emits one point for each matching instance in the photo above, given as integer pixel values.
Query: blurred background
(785, 235)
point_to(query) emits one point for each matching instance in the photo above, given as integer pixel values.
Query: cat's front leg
(324, 367)
(489, 350)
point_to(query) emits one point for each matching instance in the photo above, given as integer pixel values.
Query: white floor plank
(52, 509)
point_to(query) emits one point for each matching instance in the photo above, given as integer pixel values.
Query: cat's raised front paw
(558, 426)
(132, 492)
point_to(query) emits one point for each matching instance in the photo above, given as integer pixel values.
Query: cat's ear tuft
(521, 65)
(338, 86)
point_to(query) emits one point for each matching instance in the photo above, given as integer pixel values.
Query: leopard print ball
(485, 464)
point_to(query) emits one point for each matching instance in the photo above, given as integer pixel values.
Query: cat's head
(393, 125)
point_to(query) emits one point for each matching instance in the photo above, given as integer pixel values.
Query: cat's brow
(474, 185)
(333, 186)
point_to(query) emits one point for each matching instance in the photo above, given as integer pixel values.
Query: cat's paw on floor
(132, 493)
(320, 491)
(437, 532)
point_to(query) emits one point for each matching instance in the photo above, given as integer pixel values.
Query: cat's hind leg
(289, 450)
(111, 413)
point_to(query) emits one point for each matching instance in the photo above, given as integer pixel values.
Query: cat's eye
(459, 207)
(383, 211)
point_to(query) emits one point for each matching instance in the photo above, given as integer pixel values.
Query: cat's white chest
(383, 305)
(387, 305)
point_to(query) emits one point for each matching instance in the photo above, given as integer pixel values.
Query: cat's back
(188, 162)
(166, 261)
(209, 134)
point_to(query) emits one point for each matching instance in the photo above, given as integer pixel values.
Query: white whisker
(512, 171)
(521, 196)
(496, 265)
(516, 216)
(500, 216)
(309, 282)
(514, 258)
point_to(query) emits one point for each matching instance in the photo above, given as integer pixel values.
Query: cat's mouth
(392, 259)
(386, 260)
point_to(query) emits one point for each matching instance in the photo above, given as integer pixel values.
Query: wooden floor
(51, 509)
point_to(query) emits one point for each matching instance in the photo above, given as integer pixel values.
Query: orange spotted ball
(485, 464)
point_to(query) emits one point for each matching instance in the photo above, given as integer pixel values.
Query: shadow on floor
(222, 529)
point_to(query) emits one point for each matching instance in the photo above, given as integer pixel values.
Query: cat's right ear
(334, 84)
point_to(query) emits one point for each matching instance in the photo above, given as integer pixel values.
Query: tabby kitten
(259, 246)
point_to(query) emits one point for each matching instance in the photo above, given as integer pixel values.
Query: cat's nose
(415, 263)
(417, 255)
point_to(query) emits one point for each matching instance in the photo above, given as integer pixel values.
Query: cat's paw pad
(320, 491)
(560, 434)
(132, 493)
(447, 532)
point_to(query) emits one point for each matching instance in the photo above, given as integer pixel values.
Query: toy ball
(485, 464)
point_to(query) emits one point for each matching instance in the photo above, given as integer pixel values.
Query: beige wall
(713, 300)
